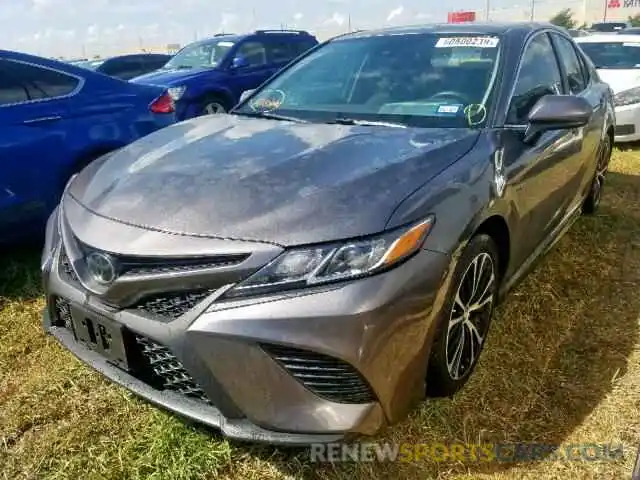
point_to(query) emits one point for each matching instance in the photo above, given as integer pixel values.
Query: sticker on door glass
(476, 42)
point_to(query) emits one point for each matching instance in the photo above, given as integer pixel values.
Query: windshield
(428, 80)
(202, 54)
(614, 55)
(94, 64)
(89, 64)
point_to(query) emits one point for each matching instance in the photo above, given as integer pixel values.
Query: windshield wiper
(269, 115)
(365, 123)
(177, 67)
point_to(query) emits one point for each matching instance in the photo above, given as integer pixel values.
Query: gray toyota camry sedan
(310, 266)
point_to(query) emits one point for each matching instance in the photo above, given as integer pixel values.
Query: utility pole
(488, 9)
(533, 9)
(349, 22)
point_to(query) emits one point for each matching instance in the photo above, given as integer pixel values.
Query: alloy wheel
(601, 171)
(470, 316)
(213, 108)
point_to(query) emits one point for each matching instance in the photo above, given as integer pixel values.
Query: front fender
(461, 198)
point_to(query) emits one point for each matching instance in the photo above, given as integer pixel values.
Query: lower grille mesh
(164, 371)
(172, 305)
(150, 361)
(62, 313)
(325, 376)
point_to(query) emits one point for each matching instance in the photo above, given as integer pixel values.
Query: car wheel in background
(592, 202)
(213, 104)
(466, 316)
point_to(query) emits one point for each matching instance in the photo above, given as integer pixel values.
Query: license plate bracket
(102, 335)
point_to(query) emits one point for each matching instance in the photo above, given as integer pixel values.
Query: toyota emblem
(101, 267)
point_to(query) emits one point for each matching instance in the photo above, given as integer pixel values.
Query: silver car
(307, 267)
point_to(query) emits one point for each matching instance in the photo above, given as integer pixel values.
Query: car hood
(620, 80)
(266, 180)
(170, 77)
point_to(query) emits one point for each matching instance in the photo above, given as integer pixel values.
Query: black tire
(451, 330)
(207, 101)
(594, 197)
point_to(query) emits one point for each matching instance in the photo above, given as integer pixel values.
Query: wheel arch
(497, 228)
(218, 91)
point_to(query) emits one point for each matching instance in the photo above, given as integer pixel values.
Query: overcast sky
(76, 28)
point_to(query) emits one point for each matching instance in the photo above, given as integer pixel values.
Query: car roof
(480, 28)
(141, 54)
(28, 58)
(608, 38)
(233, 37)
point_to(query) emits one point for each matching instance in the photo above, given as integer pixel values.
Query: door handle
(33, 121)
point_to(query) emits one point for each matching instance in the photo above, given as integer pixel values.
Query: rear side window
(303, 46)
(20, 82)
(572, 65)
(280, 51)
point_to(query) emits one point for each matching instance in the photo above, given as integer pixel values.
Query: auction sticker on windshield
(476, 42)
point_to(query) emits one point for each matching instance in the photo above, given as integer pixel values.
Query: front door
(538, 173)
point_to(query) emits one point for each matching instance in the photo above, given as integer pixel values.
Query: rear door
(34, 139)
(580, 83)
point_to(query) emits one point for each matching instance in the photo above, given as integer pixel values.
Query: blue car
(56, 118)
(209, 76)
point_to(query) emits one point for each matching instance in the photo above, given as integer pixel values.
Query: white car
(617, 59)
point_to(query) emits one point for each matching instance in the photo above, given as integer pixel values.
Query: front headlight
(176, 93)
(304, 267)
(627, 97)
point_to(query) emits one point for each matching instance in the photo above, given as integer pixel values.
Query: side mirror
(557, 112)
(239, 62)
(246, 94)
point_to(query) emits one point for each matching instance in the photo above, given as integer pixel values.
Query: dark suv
(209, 76)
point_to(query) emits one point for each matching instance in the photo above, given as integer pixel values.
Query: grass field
(562, 366)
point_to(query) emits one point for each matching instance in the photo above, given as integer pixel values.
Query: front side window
(25, 82)
(205, 54)
(539, 76)
(613, 55)
(420, 80)
(253, 53)
(572, 65)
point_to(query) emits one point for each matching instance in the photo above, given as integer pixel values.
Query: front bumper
(627, 123)
(379, 327)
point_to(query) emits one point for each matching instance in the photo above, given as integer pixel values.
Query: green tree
(564, 18)
(635, 20)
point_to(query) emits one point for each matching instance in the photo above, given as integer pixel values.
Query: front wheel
(212, 105)
(466, 316)
(594, 197)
